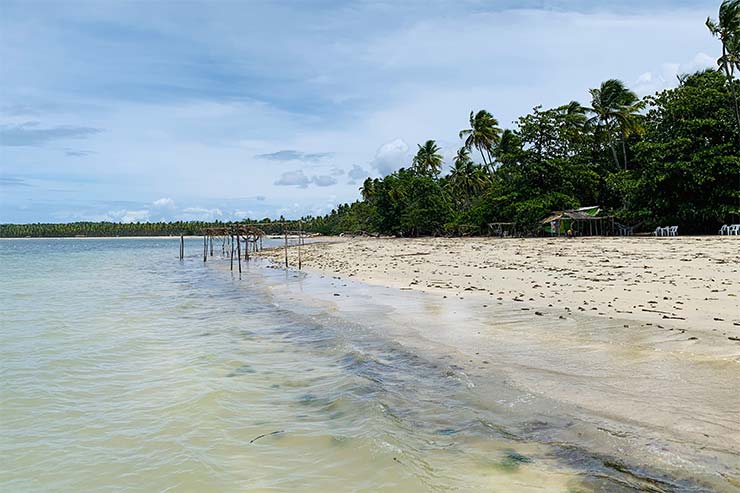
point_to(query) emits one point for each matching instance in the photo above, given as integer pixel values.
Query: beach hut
(502, 229)
(584, 221)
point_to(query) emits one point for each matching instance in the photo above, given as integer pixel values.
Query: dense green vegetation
(670, 158)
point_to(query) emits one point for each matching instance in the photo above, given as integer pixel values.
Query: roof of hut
(589, 213)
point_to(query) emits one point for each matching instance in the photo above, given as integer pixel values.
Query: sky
(221, 110)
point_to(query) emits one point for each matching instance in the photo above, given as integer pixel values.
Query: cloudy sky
(133, 111)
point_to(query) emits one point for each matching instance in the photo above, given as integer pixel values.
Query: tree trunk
(614, 154)
(480, 149)
(730, 78)
(624, 151)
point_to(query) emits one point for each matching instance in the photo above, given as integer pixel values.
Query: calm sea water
(125, 369)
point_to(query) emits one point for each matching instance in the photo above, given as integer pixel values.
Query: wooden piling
(182, 247)
(205, 248)
(231, 255)
(239, 252)
(246, 248)
(285, 232)
(300, 240)
(211, 245)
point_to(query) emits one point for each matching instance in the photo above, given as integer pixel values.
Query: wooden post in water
(300, 240)
(182, 246)
(231, 255)
(205, 248)
(246, 248)
(211, 245)
(239, 252)
(285, 232)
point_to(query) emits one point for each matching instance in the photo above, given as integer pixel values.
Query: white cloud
(201, 214)
(391, 156)
(164, 202)
(666, 76)
(293, 178)
(357, 173)
(299, 179)
(323, 180)
(129, 216)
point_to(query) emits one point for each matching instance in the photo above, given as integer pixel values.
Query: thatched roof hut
(582, 221)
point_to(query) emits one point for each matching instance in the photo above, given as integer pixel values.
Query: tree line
(669, 158)
(111, 229)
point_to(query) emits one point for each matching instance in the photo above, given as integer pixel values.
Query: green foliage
(428, 160)
(683, 167)
(689, 162)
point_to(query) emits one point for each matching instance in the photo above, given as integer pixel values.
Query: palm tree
(428, 160)
(615, 109)
(575, 114)
(727, 29)
(466, 177)
(368, 188)
(483, 134)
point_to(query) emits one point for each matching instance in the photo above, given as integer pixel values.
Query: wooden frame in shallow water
(252, 237)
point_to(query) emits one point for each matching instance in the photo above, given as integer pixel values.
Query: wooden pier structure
(230, 237)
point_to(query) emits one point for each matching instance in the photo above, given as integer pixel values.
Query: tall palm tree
(428, 160)
(466, 177)
(615, 109)
(727, 30)
(483, 134)
(368, 188)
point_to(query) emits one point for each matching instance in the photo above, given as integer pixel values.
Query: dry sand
(691, 284)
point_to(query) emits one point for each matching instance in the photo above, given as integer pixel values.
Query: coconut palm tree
(615, 109)
(428, 160)
(727, 29)
(483, 134)
(368, 188)
(575, 114)
(466, 177)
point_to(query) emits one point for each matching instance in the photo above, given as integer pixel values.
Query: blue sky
(133, 111)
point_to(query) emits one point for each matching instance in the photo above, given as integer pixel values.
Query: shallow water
(125, 369)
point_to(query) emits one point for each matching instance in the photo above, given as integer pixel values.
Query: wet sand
(633, 339)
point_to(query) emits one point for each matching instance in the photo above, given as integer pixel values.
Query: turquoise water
(126, 369)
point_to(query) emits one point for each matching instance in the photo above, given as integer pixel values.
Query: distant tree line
(111, 229)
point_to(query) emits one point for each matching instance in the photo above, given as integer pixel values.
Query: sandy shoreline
(691, 284)
(634, 341)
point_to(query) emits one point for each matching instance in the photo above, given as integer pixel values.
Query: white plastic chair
(734, 230)
(673, 231)
(725, 229)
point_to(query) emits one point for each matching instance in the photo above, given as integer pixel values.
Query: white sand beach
(691, 284)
